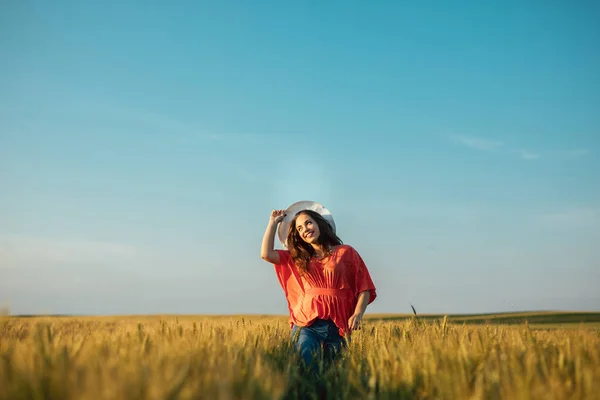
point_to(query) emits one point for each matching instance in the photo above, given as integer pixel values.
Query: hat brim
(295, 208)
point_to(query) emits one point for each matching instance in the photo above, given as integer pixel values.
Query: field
(501, 356)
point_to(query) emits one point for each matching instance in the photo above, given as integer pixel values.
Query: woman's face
(307, 228)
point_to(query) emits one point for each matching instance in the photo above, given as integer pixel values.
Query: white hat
(291, 212)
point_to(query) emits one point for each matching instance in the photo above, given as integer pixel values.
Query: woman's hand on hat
(277, 216)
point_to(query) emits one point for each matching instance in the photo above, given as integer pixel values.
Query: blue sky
(143, 146)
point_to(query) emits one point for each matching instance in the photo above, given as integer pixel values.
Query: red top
(329, 289)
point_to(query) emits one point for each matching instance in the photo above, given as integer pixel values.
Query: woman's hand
(277, 216)
(359, 310)
(267, 250)
(354, 321)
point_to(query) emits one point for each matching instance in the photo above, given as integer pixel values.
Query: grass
(249, 357)
(539, 317)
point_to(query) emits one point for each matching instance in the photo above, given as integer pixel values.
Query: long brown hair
(301, 251)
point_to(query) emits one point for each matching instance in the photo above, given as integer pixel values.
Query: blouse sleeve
(287, 275)
(362, 280)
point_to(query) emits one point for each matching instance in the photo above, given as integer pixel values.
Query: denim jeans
(319, 341)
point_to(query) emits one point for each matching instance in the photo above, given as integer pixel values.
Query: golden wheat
(249, 358)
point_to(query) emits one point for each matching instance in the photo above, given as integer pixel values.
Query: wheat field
(204, 357)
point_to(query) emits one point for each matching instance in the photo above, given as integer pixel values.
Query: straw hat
(295, 208)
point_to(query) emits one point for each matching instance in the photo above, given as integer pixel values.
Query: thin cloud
(574, 217)
(496, 146)
(248, 176)
(17, 250)
(100, 112)
(479, 143)
(527, 155)
(575, 153)
(492, 145)
(176, 126)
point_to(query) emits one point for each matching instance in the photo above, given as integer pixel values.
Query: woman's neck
(320, 250)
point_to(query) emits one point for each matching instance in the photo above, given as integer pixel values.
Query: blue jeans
(319, 341)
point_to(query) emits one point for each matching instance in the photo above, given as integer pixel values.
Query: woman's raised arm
(267, 250)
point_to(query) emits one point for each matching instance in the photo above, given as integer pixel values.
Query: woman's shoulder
(285, 256)
(345, 248)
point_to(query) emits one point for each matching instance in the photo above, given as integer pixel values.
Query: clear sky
(144, 145)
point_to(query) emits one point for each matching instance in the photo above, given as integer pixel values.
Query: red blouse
(329, 289)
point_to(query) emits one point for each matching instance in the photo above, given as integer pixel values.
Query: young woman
(326, 283)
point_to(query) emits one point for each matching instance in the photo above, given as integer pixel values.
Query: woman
(326, 283)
